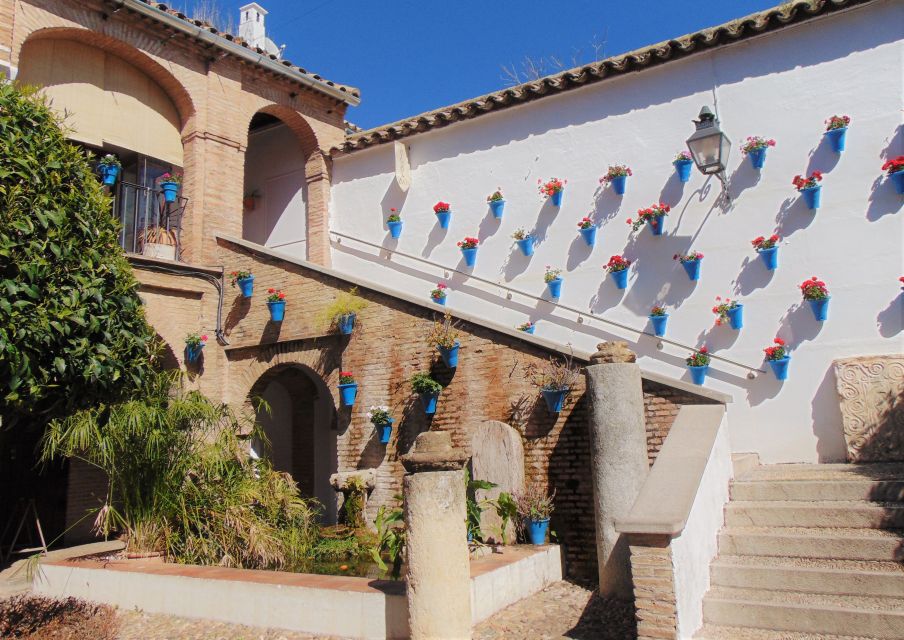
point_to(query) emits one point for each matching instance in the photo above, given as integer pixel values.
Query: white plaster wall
(698, 544)
(779, 85)
(274, 168)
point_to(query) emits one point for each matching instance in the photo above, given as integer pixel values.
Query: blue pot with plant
(497, 204)
(736, 317)
(244, 280)
(348, 388)
(588, 231)
(427, 389)
(837, 139)
(757, 158)
(683, 163)
(449, 354)
(536, 530)
(470, 256)
(346, 323)
(553, 282)
(443, 211)
(557, 198)
(381, 419)
(618, 271)
(812, 196)
(524, 242)
(169, 184)
(780, 367)
(698, 365)
(109, 169)
(555, 398)
(395, 228)
(658, 318)
(194, 345)
(527, 327)
(897, 179)
(698, 374)
(276, 303)
(692, 268)
(769, 257)
(820, 308)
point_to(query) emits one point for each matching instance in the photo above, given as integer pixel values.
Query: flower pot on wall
(780, 367)
(812, 196)
(536, 530)
(837, 139)
(897, 179)
(346, 323)
(659, 323)
(555, 398)
(384, 431)
(698, 374)
(555, 288)
(470, 256)
(277, 310)
(428, 400)
(497, 207)
(193, 353)
(683, 169)
(820, 308)
(589, 235)
(246, 286)
(450, 354)
(170, 191)
(736, 317)
(441, 301)
(557, 198)
(657, 225)
(620, 278)
(347, 393)
(108, 174)
(395, 228)
(757, 158)
(619, 183)
(443, 217)
(770, 257)
(692, 268)
(526, 246)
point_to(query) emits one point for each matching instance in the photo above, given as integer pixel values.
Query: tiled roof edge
(755, 24)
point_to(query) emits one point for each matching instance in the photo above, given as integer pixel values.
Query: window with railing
(151, 226)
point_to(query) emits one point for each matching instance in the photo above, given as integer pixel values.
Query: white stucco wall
(274, 170)
(698, 544)
(780, 85)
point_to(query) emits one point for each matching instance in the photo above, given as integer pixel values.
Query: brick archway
(247, 369)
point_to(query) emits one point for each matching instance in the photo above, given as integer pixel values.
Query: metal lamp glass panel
(710, 149)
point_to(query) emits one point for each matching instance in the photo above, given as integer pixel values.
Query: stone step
(842, 577)
(847, 490)
(719, 632)
(825, 472)
(872, 617)
(802, 542)
(784, 513)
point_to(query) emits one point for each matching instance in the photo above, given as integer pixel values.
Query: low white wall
(781, 85)
(497, 589)
(697, 545)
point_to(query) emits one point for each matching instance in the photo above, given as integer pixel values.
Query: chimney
(251, 25)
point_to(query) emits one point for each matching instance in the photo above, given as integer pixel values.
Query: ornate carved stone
(340, 481)
(609, 352)
(871, 398)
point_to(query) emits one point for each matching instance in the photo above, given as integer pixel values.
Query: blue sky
(410, 56)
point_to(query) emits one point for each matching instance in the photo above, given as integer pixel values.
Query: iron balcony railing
(151, 226)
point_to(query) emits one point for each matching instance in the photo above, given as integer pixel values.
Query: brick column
(654, 587)
(318, 174)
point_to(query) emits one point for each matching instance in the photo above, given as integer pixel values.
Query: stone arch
(142, 61)
(296, 123)
(166, 359)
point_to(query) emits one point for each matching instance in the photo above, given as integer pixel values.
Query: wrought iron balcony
(151, 226)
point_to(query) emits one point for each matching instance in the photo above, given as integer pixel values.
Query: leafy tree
(72, 330)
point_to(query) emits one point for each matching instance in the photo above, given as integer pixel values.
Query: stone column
(439, 576)
(619, 457)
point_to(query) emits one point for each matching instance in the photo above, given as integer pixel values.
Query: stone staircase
(810, 551)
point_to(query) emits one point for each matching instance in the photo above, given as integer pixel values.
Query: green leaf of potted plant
(428, 389)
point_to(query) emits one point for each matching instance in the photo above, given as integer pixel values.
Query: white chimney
(251, 25)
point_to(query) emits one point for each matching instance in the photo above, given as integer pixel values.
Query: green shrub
(423, 383)
(72, 330)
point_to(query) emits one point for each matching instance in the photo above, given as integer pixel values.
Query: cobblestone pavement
(562, 610)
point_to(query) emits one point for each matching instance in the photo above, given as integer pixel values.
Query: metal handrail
(513, 290)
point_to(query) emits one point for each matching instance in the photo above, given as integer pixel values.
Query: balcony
(151, 226)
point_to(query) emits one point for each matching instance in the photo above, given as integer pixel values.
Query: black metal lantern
(709, 146)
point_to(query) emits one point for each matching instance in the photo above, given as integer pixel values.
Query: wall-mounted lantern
(709, 146)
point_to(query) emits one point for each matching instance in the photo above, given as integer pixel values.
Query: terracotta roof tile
(660, 53)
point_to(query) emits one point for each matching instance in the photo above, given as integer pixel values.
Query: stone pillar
(439, 576)
(619, 457)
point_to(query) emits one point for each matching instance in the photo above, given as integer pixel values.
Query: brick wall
(654, 588)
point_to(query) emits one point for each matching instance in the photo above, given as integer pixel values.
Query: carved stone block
(871, 397)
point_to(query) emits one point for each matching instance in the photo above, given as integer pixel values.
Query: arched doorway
(299, 424)
(275, 204)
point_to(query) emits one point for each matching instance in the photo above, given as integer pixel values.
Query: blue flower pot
(536, 530)
(683, 168)
(384, 431)
(497, 207)
(820, 308)
(170, 190)
(659, 323)
(692, 268)
(441, 301)
(780, 367)
(346, 324)
(897, 179)
(620, 278)
(444, 217)
(526, 246)
(557, 198)
(555, 287)
(428, 400)
(246, 286)
(531, 330)
(698, 374)
(470, 256)
(193, 353)
(757, 158)
(108, 174)
(619, 183)
(657, 224)
(395, 228)
(736, 317)
(450, 355)
(770, 257)
(812, 196)
(555, 399)
(277, 310)
(837, 138)
(347, 393)
(589, 235)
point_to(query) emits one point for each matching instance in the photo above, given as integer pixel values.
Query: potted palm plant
(342, 312)
(535, 507)
(555, 378)
(445, 337)
(109, 168)
(348, 388)
(496, 202)
(428, 389)
(159, 242)
(381, 419)
(244, 280)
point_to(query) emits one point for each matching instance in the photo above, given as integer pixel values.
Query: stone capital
(613, 352)
(433, 451)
